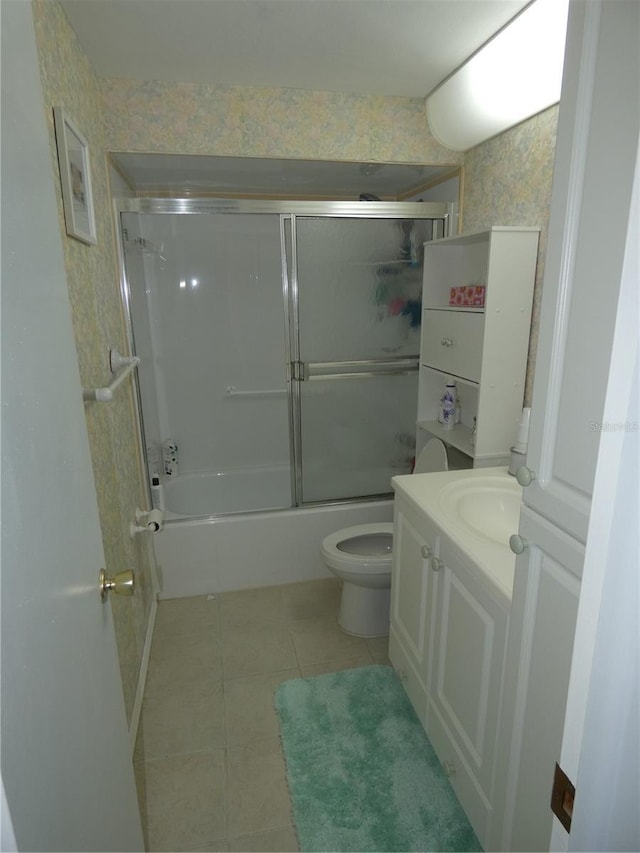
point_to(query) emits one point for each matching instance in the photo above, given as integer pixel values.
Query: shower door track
(297, 371)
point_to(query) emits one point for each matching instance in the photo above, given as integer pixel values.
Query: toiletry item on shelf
(458, 410)
(449, 405)
(467, 296)
(170, 457)
(157, 492)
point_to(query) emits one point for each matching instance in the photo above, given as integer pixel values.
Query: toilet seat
(370, 552)
(432, 457)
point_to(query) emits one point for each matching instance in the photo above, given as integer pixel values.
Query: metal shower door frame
(299, 371)
(287, 212)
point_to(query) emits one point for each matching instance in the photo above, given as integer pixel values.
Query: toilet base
(364, 612)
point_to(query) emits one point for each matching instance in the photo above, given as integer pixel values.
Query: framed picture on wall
(75, 176)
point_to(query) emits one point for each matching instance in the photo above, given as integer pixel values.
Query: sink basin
(487, 507)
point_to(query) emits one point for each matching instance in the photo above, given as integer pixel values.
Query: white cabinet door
(412, 591)
(452, 342)
(66, 765)
(583, 267)
(540, 644)
(465, 683)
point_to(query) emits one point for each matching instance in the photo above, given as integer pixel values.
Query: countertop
(497, 562)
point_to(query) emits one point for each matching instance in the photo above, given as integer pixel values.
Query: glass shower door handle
(310, 371)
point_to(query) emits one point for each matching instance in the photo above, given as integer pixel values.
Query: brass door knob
(123, 583)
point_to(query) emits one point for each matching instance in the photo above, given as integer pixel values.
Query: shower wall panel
(213, 321)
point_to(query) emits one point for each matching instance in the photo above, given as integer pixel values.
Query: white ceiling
(383, 47)
(380, 47)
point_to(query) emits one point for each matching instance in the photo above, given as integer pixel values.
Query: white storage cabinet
(483, 349)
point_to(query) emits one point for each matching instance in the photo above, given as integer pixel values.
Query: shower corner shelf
(122, 366)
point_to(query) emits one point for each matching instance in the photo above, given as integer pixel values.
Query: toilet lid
(433, 457)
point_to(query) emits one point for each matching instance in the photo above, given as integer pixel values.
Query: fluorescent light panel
(512, 77)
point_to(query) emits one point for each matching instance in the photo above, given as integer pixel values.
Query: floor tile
(183, 719)
(251, 608)
(249, 711)
(276, 841)
(258, 796)
(141, 791)
(185, 799)
(320, 640)
(379, 649)
(319, 599)
(182, 660)
(363, 659)
(186, 615)
(256, 651)
(209, 764)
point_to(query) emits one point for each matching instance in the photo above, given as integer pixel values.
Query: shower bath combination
(277, 383)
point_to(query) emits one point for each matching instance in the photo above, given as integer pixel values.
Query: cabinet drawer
(452, 342)
(411, 680)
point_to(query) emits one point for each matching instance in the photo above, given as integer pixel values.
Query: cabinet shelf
(467, 309)
(458, 437)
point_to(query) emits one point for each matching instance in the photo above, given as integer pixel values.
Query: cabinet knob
(525, 476)
(446, 342)
(426, 552)
(436, 564)
(517, 544)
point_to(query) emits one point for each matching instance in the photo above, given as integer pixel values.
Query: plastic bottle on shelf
(449, 405)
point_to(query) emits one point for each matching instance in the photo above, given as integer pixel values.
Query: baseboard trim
(142, 678)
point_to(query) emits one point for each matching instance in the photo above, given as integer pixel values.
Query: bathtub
(223, 492)
(224, 550)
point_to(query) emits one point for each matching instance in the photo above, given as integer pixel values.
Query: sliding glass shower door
(357, 285)
(278, 346)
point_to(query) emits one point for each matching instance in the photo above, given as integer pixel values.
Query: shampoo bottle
(449, 406)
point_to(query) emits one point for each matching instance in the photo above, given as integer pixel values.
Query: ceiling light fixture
(515, 75)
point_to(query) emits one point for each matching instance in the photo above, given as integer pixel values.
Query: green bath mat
(362, 773)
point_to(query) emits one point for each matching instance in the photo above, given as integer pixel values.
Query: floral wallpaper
(68, 81)
(196, 118)
(507, 181)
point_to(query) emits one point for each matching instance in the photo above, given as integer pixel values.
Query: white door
(66, 768)
(547, 672)
(587, 233)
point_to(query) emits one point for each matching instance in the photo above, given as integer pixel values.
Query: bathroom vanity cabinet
(447, 643)
(484, 348)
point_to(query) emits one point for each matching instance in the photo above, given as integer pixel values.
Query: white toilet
(361, 557)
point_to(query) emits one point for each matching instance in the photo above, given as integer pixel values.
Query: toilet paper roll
(155, 520)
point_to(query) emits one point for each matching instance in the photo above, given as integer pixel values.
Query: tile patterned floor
(209, 766)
